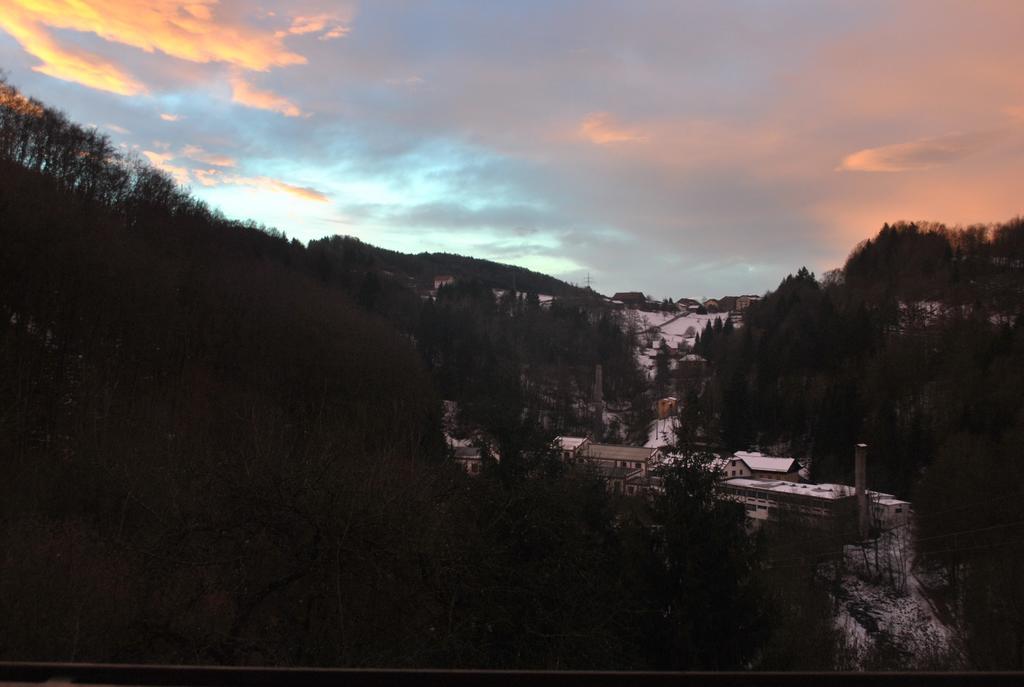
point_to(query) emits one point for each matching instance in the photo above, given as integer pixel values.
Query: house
(570, 447)
(667, 406)
(743, 302)
(469, 457)
(443, 280)
(756, 466)
(631, 299)
(824, 505)
(687, 305)
(851, 513)
(625, 468)
(727, 303)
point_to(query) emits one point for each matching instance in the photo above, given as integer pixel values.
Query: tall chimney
(597, 404)
(860, 483)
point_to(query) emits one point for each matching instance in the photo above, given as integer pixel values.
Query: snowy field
(662, 433)
(678, 330)
(883, 610)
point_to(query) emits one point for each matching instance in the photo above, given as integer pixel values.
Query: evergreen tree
(706, 578)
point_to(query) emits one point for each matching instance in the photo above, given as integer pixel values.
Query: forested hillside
(420, 270)
(915, 347)
(222, 447)
(916, 339)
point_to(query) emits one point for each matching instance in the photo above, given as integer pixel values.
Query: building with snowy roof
(688, 305)
(828, 506)
(754, 465)
(569, 447)
(744, 302)
(625, 469)
(630, 298)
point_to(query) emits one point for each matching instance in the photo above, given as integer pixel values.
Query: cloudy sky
(678, 148)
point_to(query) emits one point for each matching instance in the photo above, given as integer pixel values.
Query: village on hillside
(769, 487)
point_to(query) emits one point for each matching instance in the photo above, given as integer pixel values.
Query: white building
(757, 466)
(626, 469)
(569, 447)
(825, 504)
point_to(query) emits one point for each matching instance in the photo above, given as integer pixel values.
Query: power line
(1018, 494)
(938, 536)
(959, 549)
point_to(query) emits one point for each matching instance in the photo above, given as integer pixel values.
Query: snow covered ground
(883, 610)
(662, 433)
(678, 330)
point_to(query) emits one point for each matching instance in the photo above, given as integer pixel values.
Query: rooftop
(761, 463)
(569, 443)
(615, 452)
(819, 491)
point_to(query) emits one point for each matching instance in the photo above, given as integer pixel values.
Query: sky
(694, 149)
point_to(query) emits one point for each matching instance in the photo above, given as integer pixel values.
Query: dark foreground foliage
(222, 447)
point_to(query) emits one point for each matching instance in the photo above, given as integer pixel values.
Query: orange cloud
(188, 31)
(198, 154)
(191, 31)
(169, 117)
(216, 177)
(74, 65)
(244, 94)
(207, 177)
(858, 208)
(917, 155)
(201, 12)
(601, 128)
(316, 24)
(162, 161)
(336, 32)
(304, 192)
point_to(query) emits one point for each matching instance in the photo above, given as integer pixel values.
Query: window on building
(474, 468)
